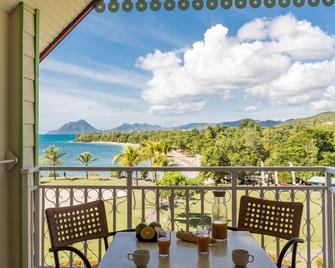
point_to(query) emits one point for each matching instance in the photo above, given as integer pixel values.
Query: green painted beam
(21, 77)
(37, 74)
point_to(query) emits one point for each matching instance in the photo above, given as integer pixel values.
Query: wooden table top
(185, 254)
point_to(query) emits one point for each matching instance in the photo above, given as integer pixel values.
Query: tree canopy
(250, 144)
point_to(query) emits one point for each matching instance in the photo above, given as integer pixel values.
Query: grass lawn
(119, 222)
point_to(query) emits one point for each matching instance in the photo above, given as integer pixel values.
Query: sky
(179, 67)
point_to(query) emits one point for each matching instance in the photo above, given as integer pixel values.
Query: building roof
(55, 16)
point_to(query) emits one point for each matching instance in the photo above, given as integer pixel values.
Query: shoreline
(112, 143)
(184, 160)
(177, 156)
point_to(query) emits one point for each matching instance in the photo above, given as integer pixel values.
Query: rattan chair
(274, 218)
(70, 225)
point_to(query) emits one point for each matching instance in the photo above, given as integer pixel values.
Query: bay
(103, 151)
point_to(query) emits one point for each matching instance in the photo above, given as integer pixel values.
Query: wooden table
(185, 254)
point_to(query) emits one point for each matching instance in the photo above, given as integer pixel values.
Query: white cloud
(178, 108)
(251, 109)
(59, 107)
(282, 60)
(103, 73)
(301, 83)
(254, 30)
(301, 39)
(159, 61)
(327, 101)
(323, 105)
(61, 102)
(285, 34)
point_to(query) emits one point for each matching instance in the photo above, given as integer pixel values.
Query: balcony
(177, 207)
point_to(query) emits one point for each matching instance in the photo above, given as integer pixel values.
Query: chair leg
(106, 243)
(294, 255)
(56, 259)
(72, 249)
(294, 243)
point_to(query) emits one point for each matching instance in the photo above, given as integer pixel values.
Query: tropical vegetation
(130, 157)
(53, 155)
(178, 179)
(86, 159)
(156, 153)
(302, 143)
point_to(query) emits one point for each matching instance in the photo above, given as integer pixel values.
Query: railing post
(234, 176)
(27, 220)
(42, 233)
(308, 227)
(187, 210)
(38, 214)
(330, 257)
(202, 206)
(129, 199)
(171, 205)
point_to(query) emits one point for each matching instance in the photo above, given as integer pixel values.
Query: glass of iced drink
(203, 238)
(164, 242)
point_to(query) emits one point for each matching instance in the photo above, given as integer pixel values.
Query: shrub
(178, 179)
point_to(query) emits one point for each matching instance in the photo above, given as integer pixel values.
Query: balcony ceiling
(54, 15)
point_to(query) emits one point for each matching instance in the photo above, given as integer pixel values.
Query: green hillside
(326, 118)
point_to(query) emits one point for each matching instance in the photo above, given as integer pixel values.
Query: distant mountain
(136, 127)
(75, 127)
(270, 123)
(193, 125)
(82, 126)
(327, 118)
(266, 123)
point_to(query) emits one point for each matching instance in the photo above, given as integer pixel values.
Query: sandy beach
(180, 158)
(184, 160)
(115, 143)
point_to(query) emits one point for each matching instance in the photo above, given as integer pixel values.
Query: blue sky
(121, 67)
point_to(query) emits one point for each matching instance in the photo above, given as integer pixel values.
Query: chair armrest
(232, 228)
(294, 241)
(74, 250)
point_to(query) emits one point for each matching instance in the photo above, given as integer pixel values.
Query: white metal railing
(180, 207)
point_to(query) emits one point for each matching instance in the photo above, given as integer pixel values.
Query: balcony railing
(177, 207)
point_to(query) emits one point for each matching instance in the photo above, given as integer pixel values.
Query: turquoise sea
(104, 152)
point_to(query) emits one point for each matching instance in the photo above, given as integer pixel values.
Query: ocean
(104, 152)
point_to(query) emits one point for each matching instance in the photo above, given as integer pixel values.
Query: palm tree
(54, 156)
(130, 157)
(86, 159)
(165, 147)
(151, 150)
(161, 160)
